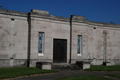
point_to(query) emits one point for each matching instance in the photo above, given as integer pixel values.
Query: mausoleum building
(27, 38)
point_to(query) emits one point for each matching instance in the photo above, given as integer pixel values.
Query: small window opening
(94, 27)
(12, 19)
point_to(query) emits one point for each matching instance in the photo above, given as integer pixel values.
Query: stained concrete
(14, 29)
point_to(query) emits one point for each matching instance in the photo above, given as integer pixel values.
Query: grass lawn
(114, 75)
(21, 71)
(89, 77)
(104, 68)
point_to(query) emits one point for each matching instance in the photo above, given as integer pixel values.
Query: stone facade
(93, 41)
(13, 38)
(19, 38)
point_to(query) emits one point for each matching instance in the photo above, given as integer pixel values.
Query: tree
(1, 7)
(111, 22)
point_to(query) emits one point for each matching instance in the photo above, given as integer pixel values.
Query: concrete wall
(93, 43)
(13, 39)
(79, 29)
(53, 29)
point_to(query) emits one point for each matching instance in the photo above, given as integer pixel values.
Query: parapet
(39, 11)
(81, 19)
(45, 14)
(15, 13)
(75, 17)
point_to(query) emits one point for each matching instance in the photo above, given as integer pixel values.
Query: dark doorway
(60, 51)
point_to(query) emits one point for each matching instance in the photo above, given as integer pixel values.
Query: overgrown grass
(21, 71)
(104, 68)
(89, 77)
(114, 75)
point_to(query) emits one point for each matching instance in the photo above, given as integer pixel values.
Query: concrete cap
(39, 11)
(78, 17)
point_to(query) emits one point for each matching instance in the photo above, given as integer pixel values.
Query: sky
(93, 10)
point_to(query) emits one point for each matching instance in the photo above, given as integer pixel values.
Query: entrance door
(60, 51)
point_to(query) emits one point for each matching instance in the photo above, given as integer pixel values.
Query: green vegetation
(104, 68)
(89, 77)
(114, 75)
(21, 71)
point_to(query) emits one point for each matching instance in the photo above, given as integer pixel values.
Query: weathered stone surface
(9, 12)
(83, 64)
(14, 27)
(39, 11)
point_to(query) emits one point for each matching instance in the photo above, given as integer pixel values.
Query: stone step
(65, 67)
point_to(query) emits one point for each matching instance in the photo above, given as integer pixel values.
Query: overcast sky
(94, 10)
